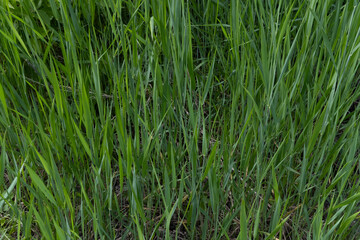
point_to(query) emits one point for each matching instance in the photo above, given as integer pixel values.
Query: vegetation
(174, 119)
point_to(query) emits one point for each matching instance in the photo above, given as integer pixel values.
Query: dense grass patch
(174, 119)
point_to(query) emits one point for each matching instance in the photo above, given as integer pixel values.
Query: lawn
(180, 119)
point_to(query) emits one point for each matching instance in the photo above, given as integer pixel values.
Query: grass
(174, 119)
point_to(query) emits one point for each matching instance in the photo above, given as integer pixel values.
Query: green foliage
(152, 119)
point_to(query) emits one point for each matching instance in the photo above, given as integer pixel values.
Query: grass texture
(174, 119)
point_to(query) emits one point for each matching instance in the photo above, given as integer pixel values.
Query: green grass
(174, 119)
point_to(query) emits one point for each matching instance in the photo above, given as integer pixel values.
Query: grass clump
(176, 119)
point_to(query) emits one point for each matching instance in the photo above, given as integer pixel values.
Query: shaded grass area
(175, 119)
